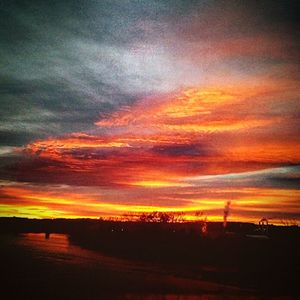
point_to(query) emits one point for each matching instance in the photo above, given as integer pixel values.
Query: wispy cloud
(165, 102)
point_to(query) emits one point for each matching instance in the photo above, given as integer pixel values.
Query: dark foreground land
(89, 259)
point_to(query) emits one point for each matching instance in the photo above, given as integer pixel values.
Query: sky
(113, 108)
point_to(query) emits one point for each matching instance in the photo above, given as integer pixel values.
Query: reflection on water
(53, 243)
(58, 243)
(57, 248)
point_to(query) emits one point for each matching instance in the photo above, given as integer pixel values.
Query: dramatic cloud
(112, 107)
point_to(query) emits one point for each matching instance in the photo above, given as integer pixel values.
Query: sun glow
(158, 153)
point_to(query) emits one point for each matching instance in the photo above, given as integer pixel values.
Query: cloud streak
(172, 104)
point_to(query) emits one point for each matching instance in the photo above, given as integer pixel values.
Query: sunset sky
(122, 107)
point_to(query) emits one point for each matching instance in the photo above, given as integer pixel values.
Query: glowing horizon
(160, 164)
(180, 110)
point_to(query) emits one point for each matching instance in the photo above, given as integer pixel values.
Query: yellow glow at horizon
(158, 184)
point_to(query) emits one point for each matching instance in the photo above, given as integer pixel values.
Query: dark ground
(119, 260)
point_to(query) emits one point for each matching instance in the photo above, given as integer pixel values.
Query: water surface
(53, 267)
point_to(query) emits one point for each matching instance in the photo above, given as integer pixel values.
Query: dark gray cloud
(65, 63)
(39, 108)
(60, 65)
(192, 150)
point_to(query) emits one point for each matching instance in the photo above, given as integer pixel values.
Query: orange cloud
(248, 205)
(156, 146)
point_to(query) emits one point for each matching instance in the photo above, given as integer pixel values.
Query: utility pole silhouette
(226, 213)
